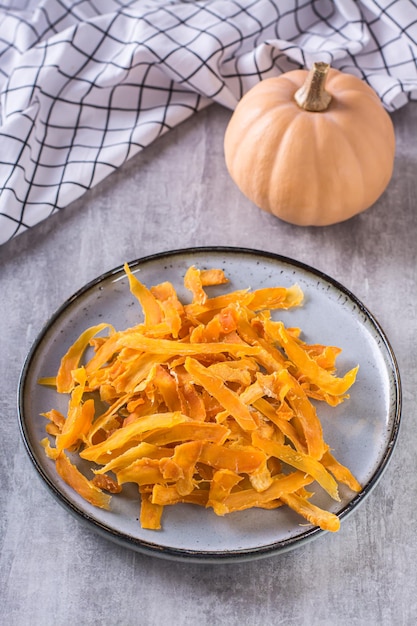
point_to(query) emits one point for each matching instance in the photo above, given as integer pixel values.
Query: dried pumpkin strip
(168, 387)
(275, 410)
(172, 318)
(195, 279)
(281, 485)
(50, 451)
(166, 495)
(193, 282)
(240, 369)
(150, 306)
(276, 298)
(216, 327)
(316, 394)
(282, 386)
(213, 276)
(187, 431)
(185, 457)
(103, 421)
(141, 451)
(305, 413)
(71, 359)
(55, 417)
(300, 461)
(84, 487)
(131, 377)
(143, 471)
(221, 485)
(315, 515)
(107, 483)
(80, 414)
(325, 356)
(316, 374)
(165, 292)
(130, 434)
(191, 401)
(150, 513)
(218, 303)
(103, 354)
(172, 308)
(284, 425)
(243, 459)
(206, 333)
(340, 472)
(261, 478)
(47, 381)
(52, 429)
(269, 357)
(269, 386)
(216, 387)
(138, 341)
(76, 425)
(252, 392)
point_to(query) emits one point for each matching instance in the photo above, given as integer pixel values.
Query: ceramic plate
(362, 431)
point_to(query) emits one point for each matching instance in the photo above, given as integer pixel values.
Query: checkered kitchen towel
(86, 84)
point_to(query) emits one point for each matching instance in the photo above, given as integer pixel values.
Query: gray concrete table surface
(176, 194)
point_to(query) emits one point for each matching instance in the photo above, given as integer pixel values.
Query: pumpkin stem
(312, 95)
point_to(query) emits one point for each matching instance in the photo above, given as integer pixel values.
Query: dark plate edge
(152, 549)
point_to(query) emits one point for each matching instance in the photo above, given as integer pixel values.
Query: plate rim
(209, 556)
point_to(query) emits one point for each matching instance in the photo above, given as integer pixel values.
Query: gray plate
(362, 431)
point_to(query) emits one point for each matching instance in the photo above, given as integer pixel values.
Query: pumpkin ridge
(344, 84)
(264, 166)
(352, 159)
(280, 190)
(352, 142)
(263, 132)
(279, 158)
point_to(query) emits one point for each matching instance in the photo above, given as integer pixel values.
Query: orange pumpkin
(313, 148)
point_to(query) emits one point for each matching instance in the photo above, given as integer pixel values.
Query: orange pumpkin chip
(84, 487)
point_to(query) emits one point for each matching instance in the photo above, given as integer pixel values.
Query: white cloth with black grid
(85, 85)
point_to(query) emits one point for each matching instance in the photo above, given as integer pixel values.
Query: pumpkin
(313, 148)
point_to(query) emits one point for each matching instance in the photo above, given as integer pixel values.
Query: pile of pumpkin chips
(207, 403)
